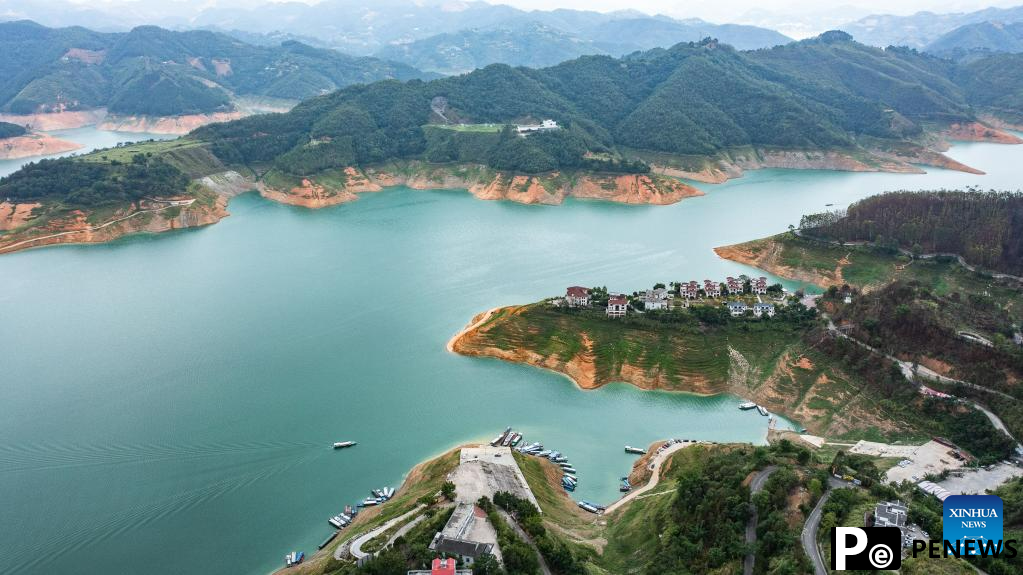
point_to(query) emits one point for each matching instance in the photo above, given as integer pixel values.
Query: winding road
(355, 548)
(756, 486)
(655, 477)
(809, 535)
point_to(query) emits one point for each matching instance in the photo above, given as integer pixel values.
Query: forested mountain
(366, 27)
(986, 228)
(154, 71)
(979, 39)
(8, 130)
(532, 44)
(995, 84)
(537, 44)
(696, 98)
(920, 29)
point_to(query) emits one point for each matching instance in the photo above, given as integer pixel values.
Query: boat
(588, 507)
(625, 486)
(762, 410)
(344, 444)
(636, 450)
(496, 441)
(569, 470)
(376, 493)
(368, 502)
(596, 506)
(572, 477)
(327, 540)
(568, 486)
(389, 492)
(553, 454)
(544, 453)
(747, 405)
(294, 558)
(564, 464)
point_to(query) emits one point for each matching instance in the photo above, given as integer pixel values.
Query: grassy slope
(785, 373)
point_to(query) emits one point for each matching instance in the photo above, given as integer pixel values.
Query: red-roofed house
(577, 296)
(617, 305)
(443, 567)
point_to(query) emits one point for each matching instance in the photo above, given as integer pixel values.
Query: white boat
(344, 444)
(636, 450)
(748, 405)
(762, 411)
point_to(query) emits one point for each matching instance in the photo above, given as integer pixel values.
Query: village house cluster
(661, 298)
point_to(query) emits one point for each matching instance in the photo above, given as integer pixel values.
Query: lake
(167, 403)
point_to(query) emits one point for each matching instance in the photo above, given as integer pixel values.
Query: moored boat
(344, 444)
(747, 405)
(762, 411)
(636, 450)
(327, 540)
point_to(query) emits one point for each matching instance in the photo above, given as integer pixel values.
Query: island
(18, 142)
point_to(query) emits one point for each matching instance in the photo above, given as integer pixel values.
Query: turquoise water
(90, 138)
(167, 402)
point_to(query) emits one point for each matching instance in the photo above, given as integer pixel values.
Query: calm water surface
(90, 138)
(167, 403)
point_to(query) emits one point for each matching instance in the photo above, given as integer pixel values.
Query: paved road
(654, 478)
(356, 546)
(756, 486)
(809, 536)
(810, 528)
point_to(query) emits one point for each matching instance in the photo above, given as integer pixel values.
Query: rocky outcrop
(34, 144)
(73, 227)
(551, 189)
(14, 216)
(178, 125)
(49, 121)
(977, 132)
(733, 164)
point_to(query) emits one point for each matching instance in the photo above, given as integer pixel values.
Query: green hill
(152, 71)
(8, 130)
(693, 99)
(983, 37)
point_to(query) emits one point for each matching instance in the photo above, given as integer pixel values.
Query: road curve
(756, 486)
(356, 546)
(654, 477)
(809, 536)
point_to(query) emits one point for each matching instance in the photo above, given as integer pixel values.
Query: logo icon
(866, 548)
(973, 524)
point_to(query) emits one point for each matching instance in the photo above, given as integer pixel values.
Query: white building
(544, 126)
(617, 305)
(763, 308)
(737, 308)
(577, 296)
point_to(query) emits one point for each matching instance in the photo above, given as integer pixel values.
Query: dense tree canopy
(986, 228)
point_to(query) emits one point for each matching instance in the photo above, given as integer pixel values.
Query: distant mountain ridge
(158, 72)
(984, 37)
(921, 29)
(366, 27)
